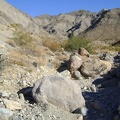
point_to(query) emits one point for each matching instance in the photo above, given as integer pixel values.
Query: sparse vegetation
(16, 26)
(116, 46)
(22, 38)
(74, 43)
(111, 48)
(53, 45)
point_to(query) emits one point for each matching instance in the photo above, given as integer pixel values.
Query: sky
(55, 7)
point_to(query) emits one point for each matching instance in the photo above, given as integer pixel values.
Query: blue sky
(55, 7)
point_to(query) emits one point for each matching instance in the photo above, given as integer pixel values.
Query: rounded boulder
(61, 92)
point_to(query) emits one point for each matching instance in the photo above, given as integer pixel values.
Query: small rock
(21, 96)
(77, 75)
(13, 97)
(83, 52)
(54, 117)
(80, 117)
(32, 118)
(65, 73)
(84, 111)
(12, 105)
(85, 88)
(93, 88)
(4, 94)
(4, 112)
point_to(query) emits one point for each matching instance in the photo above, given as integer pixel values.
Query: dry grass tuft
(52, 44)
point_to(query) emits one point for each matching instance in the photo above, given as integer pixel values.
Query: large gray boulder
(93, 67)
(61, 92)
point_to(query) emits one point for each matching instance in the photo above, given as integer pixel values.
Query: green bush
(116, 47)
(22, 38)
(74, 43)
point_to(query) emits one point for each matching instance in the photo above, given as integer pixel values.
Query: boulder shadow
(27, 93)
(107, 95)
(63, 66)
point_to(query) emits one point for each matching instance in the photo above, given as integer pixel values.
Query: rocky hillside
(105, 27)
(10, 18)
(11, 15)
(64, 24)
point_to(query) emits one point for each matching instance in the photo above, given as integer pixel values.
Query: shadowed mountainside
(105, 27)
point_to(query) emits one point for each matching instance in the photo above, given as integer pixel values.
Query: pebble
(84, 111)
(85, 88)
(21, 96)
(4, 94)
(93, 88)
(6, 112)
(12, 105)
(80, 117)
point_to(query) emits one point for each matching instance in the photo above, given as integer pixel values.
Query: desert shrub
(18, 62)
(16, 26)
(74, 43)
(32, 50)
(111, 47)
(14, 57)
(22, 38)
(116, 47)
(53, 45)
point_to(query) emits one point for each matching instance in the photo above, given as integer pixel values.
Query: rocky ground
(96, 76)
(101, 94)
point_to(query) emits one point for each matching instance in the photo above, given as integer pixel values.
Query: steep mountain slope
(11, 18)
(10, 15)
(63, 25)
(105, 27)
